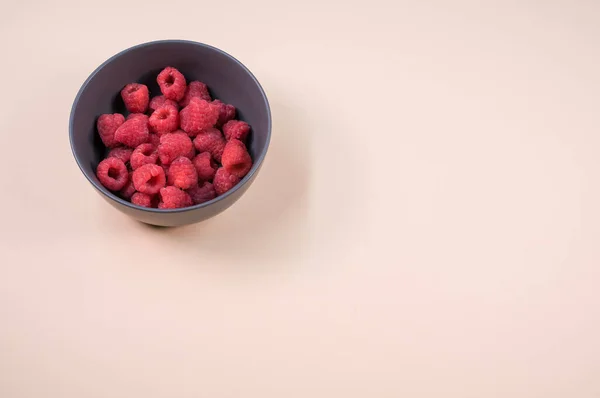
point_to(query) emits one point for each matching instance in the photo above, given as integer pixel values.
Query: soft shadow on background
(270, 221)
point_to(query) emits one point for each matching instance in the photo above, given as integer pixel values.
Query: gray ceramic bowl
(227, 79)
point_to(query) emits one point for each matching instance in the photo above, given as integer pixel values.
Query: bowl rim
(255, 166)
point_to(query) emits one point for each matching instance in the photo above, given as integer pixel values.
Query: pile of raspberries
(175, 150)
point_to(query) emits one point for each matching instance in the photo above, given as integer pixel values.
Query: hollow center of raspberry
(153, 181)
(169, 80)
(163, 115)
(113, 173)
(132, 89)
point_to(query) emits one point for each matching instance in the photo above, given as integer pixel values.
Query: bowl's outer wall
(227, 80)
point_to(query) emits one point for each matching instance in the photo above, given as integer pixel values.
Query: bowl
(228, 80)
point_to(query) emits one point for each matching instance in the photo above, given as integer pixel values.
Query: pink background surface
(426, 223)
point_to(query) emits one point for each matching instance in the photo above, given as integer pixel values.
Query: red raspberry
(173, 198)
(134, 115)
(159, 101)
(182, 173)
(149, 178)
(171, 83)
(164, 120)
(198, 115)
(165, 168)
(154, 140)
(112, 173)
(142, 199)
(210, 140)
(195, 89)
(143, 154)
(121, 152)
(236, 129)
(236, 158)
(206, 167)
(128, 189)
(133, 132)
(136, 97)
(107, 124)
(201, 194)
(226, 112)
(224, 181)
(174, 145)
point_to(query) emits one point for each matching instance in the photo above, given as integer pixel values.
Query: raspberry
(171, 83)
(198, 115)
(159, 101)
(107, 124)
(149, 178)
(134, 115)
(165, 168)
(195, 89)
(224, 181)
(236, 159)
(133, 132)
(226, 112)
(154, 140)
(173, 198)
(112, 173)
(128, 189)
(210, 140)
(143, 154)
(201, 194)
(142, 199)
(205, 166)
(164, 120)
(121, 152)
(174, 145)
(136, 97)
(236, 129)
(182, 173)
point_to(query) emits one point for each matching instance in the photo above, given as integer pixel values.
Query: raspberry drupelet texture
(226, 112)
(174, 145)
(134, 115)
(128, 189)
(107, 125)
(182, 173)
(136, 97)
(164, 120)
(202, 193)
(212, 141)
(159, 101)
(198, 115)
(236, 159)
(112, 173)
(206, 167)
(149, 179)
(121, 152)
(165, 168)
(224, 181)
(142, 199)
(236, 130)
(133, 132)
(195, 89)
(174, 198)
(154, 140)
(172, 83)
(143, 154)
